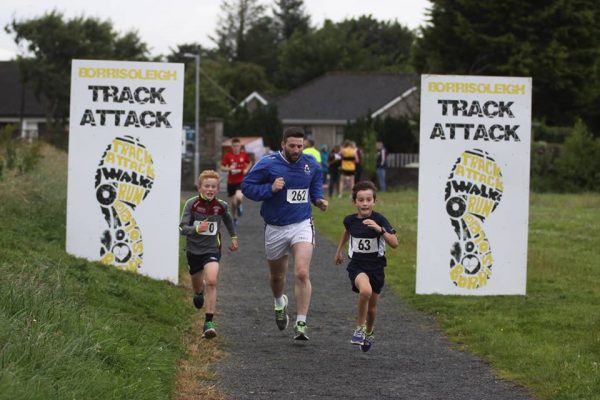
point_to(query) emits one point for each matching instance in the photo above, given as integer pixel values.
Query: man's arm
(316, 189)
(256, 185)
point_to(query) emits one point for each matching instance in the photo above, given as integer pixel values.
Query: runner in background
(287, 183)
(237, 163)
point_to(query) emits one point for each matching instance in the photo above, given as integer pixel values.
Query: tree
(557, 42)
(388, 43)
(238, 17)
(261, 45)
(264, 122)
(290, 18)
(54, 42)
(362, 44)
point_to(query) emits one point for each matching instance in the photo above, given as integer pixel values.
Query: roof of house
(345, 96)
(12, 91)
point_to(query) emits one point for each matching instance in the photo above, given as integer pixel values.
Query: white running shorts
(280, 239)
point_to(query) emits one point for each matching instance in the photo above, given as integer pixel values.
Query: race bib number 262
(296, 196)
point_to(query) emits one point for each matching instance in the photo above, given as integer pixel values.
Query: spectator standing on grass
(367, 232)
(309, 148)
(347, 167)
(380, 163)
(334, 160)
(324, 166)
(359, 167)
(201, 224)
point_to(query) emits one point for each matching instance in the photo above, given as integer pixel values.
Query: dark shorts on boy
(196, 262)
(232, 188)
(376, 274)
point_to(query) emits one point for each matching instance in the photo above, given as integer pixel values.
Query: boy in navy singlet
(367, 233)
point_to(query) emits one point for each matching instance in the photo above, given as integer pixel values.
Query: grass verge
(548, 340)
(70, 328)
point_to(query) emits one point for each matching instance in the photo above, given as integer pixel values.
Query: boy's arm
(388, 233)
(186, 225)
(228, 221)
(391, 239)
(248, 166)
(339, 258)
(225, 164)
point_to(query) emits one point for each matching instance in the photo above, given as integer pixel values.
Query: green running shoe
(198, 300)
(209, 330)
(300, 331)
(281, 317)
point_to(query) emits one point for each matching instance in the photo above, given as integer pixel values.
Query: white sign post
(473, 185)
(125, 165)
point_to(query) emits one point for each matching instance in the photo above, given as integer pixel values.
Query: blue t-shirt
(290, 205)
(366, 245)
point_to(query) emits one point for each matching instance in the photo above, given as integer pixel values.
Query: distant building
(324, 106)
(18, 104)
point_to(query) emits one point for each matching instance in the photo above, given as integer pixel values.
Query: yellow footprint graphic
(473, 191)
(124, 178)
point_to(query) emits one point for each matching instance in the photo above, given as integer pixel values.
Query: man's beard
(289, 156)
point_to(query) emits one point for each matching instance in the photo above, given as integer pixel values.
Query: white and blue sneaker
(358, 337)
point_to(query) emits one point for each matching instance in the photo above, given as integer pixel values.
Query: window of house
(339, 134)
(308, 132)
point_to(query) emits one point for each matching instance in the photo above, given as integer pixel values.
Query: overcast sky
(168, 23)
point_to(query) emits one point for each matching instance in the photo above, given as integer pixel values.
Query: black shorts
(348, 173)
(232, 188)
(376, 275)
(196, 262)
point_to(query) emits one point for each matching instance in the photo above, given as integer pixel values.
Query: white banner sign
(124, 165)
(473, 185)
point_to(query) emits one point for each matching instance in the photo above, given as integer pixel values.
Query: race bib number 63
(360, 245)
(296, 196)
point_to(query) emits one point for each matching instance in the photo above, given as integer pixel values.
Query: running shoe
(358, 337)
(209, 330)
(198, 300)
(300, 331)
(240, 210)
(281, 317)
(369, 340)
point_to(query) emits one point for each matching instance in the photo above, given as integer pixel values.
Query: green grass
(72, 329)
(548, 340)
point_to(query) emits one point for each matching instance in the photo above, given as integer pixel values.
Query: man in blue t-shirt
(287, 182)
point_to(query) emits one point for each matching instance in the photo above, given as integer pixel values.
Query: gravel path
(410, 359)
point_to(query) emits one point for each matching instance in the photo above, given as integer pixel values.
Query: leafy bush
(570, 167)
(578, 166)
(16, 154)
(543, 169)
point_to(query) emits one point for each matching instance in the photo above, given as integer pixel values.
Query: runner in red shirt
(237, 163)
